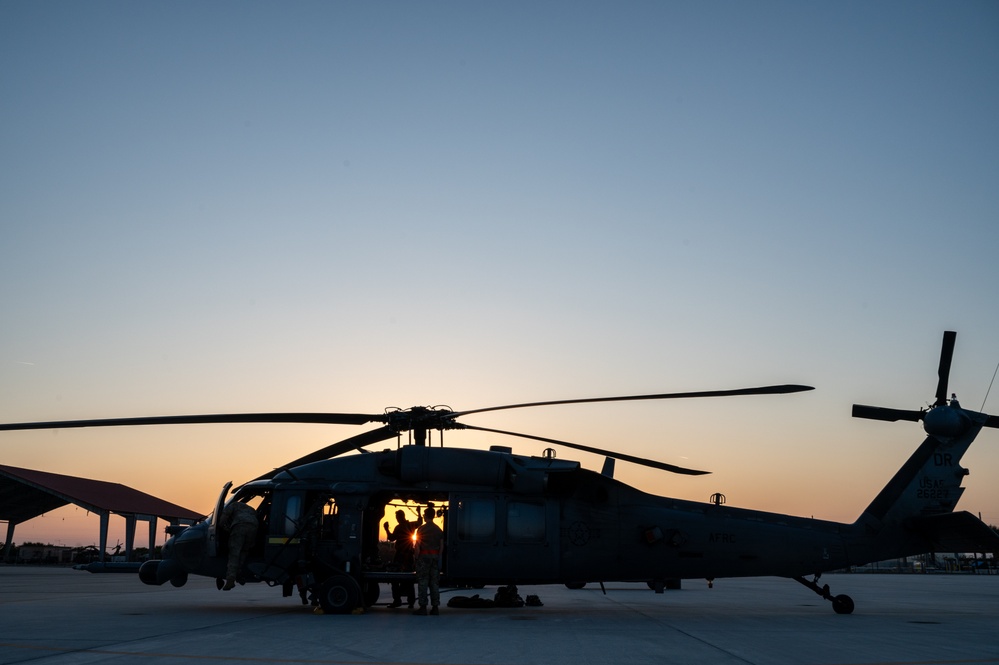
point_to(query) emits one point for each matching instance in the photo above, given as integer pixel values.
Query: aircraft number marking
(942, 459)
(931, 488)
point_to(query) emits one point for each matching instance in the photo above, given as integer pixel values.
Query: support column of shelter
(104, 534)
(8, 548)
(129, 535)
(130, 524)
(152, 536)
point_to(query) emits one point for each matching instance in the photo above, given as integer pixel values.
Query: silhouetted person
(240, 520)
(402, 536)
(429, 545)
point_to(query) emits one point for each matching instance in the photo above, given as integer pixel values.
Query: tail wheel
(339, 594)
(842, 604)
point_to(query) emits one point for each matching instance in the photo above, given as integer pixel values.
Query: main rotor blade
(598, 451)
(317, 418)
(882, 413)
(946, 354)
(764, 390)
(347, 445)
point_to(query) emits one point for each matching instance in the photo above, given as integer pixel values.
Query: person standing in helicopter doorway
(429, 544)
(402, 536)
(240, 520)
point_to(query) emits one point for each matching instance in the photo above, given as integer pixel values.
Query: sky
(342, 206)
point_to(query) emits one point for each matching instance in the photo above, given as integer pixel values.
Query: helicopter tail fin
(929, 483)
(920, 498)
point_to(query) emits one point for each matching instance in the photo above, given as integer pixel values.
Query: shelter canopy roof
(26, 494)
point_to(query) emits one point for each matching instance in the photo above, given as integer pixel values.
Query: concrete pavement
(62, 617)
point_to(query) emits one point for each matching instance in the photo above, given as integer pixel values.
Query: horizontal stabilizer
(956, 532)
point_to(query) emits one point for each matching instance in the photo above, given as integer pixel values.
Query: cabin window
(477, 519)
(329, 523)
(292, 514)
(525, 522)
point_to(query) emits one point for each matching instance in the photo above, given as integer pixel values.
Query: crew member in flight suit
(240, 520)
(402, 536)
(429, 545)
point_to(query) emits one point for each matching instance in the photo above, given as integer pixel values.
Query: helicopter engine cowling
(945, 422)
(422, 464)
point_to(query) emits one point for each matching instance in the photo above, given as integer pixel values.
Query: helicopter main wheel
(371, 592)
(339, 594)
(575, 585)
(842, 604)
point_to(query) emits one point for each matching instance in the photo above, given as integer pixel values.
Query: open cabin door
(213, 526)
(498, 538)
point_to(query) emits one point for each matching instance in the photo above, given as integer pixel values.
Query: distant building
(44, 554)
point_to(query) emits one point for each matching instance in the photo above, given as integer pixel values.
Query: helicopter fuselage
(508, 519)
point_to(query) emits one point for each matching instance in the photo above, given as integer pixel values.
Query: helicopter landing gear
(668, 584)
(339, 594)
(371, 593)
(841, 604)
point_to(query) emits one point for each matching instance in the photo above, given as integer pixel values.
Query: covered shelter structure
(26, 494)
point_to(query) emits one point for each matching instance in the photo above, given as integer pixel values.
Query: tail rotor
(945, 417)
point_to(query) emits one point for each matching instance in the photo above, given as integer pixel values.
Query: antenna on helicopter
(986, 398)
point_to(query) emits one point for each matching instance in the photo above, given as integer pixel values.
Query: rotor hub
(421, 418)
(946, 422)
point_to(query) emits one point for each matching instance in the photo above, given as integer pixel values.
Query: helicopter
(512, 519)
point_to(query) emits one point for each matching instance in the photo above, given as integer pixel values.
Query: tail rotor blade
(943, 372)
(882, 413)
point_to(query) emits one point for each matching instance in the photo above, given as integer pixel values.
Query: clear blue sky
(248, 206)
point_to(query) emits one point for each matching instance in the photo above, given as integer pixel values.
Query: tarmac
(60, 616)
